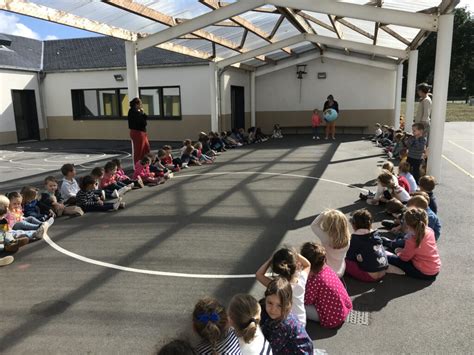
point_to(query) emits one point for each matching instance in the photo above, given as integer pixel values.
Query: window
(158, 103)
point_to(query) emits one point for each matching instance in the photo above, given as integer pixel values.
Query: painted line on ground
(461, 147)
(60, 249)
(458, 167)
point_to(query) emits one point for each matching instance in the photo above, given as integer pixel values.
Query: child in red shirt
(315, 122)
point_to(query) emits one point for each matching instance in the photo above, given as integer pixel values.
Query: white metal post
(253, 95)
(411, 88)
(440, 93)
(398, 96)
(132, 69)
(213, 97)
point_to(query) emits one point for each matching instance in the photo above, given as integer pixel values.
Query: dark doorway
(237, 106)
(26, 116)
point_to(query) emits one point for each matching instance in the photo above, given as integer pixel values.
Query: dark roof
(82, 53)
(22, 53)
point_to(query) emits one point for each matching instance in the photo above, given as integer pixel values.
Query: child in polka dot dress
(326, 299)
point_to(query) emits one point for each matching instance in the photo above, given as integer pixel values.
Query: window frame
(123, 115)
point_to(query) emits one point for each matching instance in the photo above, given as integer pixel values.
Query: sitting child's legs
(27, 224)
(353, 269)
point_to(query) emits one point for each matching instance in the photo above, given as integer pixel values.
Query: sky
(38, 29)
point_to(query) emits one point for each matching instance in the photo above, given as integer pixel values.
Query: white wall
(193, 80)
(15, 80)
(354, 86)
(234, 77)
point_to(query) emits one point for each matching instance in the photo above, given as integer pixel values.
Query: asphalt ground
(126, 282)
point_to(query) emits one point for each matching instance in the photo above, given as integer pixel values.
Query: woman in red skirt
(137, 125)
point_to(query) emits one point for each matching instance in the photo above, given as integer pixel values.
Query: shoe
(115, 194)
(314, 137)
(363, 197)
(22, 241)
(388, 224)
(140, 182)
(317, 138)
(121, 205)
(41, 231)
(7, 260)
(333, 138)
(185, 166)
(50, 221)
(103, 195)
(116, 206)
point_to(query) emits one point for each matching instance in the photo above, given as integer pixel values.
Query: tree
(461, 78)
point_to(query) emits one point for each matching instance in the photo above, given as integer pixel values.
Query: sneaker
(50, 221)
(103, 195)
(140, 182)
(123, 190)
(116, 206)
(41, 231)
(317, 138)
(115, 194)
(121, 205)
(185, 166)
(363, 197)
(333, 138)
(7, 260)
(314, 137)
(389, 224)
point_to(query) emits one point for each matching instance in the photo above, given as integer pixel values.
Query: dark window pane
(151, 101)
(124, 102)
(171, 102)
(108, 103)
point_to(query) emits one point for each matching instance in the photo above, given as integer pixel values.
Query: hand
(100, 203)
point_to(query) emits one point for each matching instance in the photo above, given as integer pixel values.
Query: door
(26, 115)
(237, 106)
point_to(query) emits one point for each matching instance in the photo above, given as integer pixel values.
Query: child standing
(315, 122)
(244, 316)
(428, 184)
(366, 258)
(211, 324)
(69, 185)
(332, 229)
(294, 268)
(416, 145)
(89, 201)
(419, 258)
(326, 300)
(285, 333)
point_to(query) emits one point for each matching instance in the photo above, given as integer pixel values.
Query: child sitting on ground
(188, 158)
(157, 168)
(109, 181)
(377, 133)
(244, 313)
(366, 259)
(428, 184)
(51, 200)
(388, 188)
(416, 145)
(421, 200)
(394, 151)
(15, 217)
(142, 170)
(332, 229)
(316, 121)
(199, 154)
(402, 181)
(326, 300)
(122, 177)
(293, 267)
(89, 201)
(404, 170)
(211, 324)
(277, 131)
(9, 242)
(285, 333)
(177, 347)
(69, 185)
(98, 173)
(419, 258)
(30, 204)
(173, 164)
(216, 142)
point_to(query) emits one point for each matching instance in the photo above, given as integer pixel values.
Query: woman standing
(331, 126)
(423, 112)
(137, 125)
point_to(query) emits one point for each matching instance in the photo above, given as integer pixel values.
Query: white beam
(411, 88)
(132, 69)
(286, 63)
(262, 50)
(252, 100)
(214, 102)
(440, 93)
(398, 97)
(199, 22)
(363, 12)
(357, 46)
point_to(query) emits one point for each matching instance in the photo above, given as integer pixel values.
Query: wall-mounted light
(118, 77)
(300, 71)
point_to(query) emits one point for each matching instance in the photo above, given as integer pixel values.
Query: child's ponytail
(284, 263)
(417, 219)
(244, 311)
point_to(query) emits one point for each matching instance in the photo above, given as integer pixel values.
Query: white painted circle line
(60, 249)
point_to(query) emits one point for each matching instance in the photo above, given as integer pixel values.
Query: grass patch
(455, 112)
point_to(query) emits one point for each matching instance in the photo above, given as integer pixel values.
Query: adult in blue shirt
(331, 126)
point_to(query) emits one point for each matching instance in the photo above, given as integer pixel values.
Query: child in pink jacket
(142, 170)
(315, 122)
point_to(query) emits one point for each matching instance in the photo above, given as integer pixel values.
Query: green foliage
(462, 56)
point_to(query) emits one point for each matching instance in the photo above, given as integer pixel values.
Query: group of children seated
(306, 284)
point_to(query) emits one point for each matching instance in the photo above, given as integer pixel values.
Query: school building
(225, 65)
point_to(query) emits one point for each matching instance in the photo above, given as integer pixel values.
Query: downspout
(219, 94)
(40, 77)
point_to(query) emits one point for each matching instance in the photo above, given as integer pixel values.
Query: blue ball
(330, 115)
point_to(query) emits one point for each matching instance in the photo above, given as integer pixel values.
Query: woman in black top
(331, 126)
(137, 125)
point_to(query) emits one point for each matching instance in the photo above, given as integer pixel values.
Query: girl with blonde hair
(244, 314)
(332, 229)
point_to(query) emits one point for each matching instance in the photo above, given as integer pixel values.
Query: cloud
(10, 24)
(50, 37)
